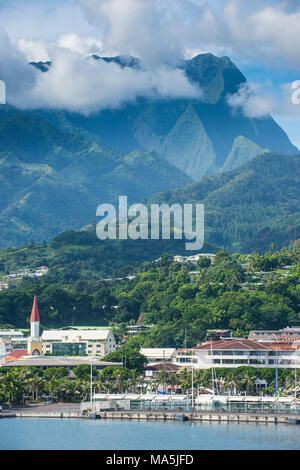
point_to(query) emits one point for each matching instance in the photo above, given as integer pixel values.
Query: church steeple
(35, 316)
(34, 341)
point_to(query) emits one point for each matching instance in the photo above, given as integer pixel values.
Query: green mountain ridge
(52, 182)
(56, 167)
(250, 207)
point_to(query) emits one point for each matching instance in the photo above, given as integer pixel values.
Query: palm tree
(11, 387)
(52, 388)
(185, 379)
(231, 383)
(36, 385)
(248, 380)
(100, 385)
(119, 379)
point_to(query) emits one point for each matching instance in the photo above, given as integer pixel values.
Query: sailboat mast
(212, 369)
(91, 392)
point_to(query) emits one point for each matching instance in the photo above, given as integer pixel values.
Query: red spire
(35, 311)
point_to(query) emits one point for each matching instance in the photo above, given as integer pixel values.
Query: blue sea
(80, 434)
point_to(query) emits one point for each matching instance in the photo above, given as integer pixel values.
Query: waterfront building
(95, 342)
(153, 370)
(159, 354)
(201, 402)
(244, 352)
(185, 358)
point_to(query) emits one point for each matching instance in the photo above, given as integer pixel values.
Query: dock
(211, 417)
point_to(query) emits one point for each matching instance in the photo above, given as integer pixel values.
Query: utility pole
(212, 369)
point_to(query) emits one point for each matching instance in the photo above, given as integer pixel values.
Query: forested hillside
(250, 207)
(239, 292)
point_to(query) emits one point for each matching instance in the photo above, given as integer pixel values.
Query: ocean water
(80, 434)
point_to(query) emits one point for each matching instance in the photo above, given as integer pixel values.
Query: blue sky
(261, 37)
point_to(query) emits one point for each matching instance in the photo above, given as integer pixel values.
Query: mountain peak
(217, 76)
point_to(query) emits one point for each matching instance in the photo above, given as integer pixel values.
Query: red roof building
(244, 352)
(16, 354)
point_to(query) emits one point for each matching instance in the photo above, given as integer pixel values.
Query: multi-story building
(159, 354)
(133, 330)
(5, 347)
(244, 352)
(285, 334)
(75, 342)
(17, 338)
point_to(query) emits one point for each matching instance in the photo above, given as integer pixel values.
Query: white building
(17, 338)
(289, 333)
(159, 354)
(5, 348)
(97, 342)
(195, 258)
(243, 352)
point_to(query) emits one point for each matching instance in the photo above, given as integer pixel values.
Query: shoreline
(196, 416)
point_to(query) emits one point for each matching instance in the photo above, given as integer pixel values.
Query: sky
(261, 37)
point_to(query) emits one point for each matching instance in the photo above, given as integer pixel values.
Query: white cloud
(35, 50)
(135, 27)
(160, 32)
(14, 69)
(84, 46)
(252, 100)
(85, 85)
(165, 30)
(261, 100)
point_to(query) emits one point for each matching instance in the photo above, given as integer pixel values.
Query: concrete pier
(204, 416)
(73, 411)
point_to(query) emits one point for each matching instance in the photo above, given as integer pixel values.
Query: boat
(181, 418)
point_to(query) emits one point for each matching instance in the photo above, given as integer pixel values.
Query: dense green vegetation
(53, 181)
(250, 207)
(31, 384)
(56, 167)
(172, 297)
(76, 257)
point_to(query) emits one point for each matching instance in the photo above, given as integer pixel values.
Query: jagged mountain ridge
(153, 124)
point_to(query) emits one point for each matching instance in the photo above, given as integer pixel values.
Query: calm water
(70, 434)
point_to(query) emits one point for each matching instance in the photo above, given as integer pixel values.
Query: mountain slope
(158, 124)
(249, 207)
(188, 146)
(52, 181)
(242, 151)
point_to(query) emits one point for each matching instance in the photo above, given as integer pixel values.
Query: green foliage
(130, 358)
(250, 207)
